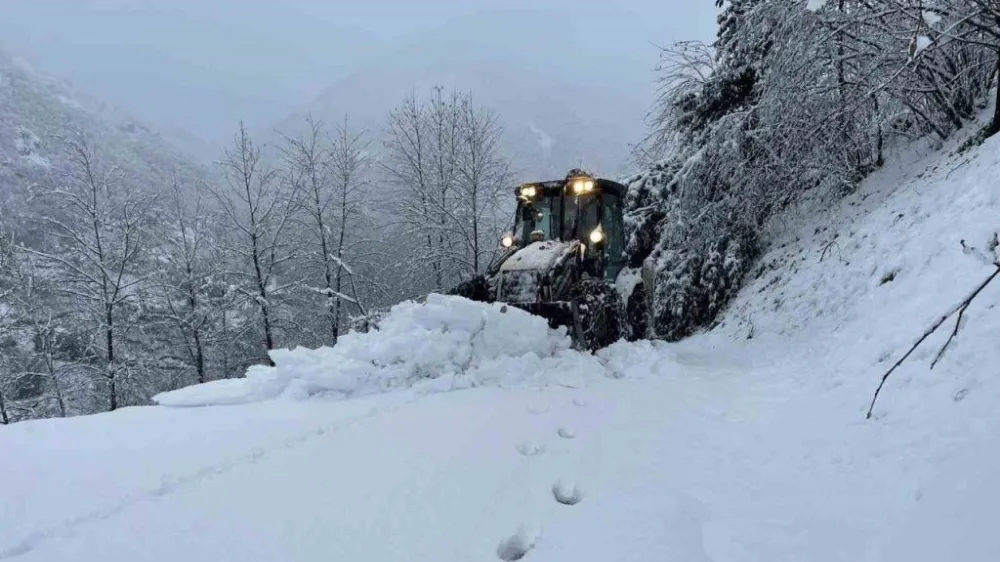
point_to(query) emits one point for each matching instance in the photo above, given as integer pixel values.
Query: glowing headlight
(507, 241)
(597, 235)
(529, 191)
(582, 185)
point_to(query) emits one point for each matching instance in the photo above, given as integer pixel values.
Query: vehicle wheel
(597, 314)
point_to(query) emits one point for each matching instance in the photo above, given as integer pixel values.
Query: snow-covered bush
(786, 100)
(698, 260)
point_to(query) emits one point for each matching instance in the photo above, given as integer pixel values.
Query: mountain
(38, 113)
(555, 118)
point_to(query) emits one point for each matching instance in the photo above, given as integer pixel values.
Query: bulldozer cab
(562, 258)
(581, 208)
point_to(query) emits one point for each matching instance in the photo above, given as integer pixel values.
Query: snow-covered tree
(258, 206)
(8, 285)
(791, 97)
(483, 178)
(332, 179)
(189, 294)
(445, 163)
(98, 224)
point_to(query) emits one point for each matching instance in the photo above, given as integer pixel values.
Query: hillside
(469, 432)
(552, 124)
(37, 114)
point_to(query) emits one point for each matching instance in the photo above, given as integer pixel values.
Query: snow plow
(564, 260)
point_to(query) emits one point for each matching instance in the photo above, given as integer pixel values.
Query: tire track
(171, 484)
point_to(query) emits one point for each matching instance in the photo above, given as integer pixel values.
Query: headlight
(583, 185)
(597, 235)
(529, 191)
(507, 241)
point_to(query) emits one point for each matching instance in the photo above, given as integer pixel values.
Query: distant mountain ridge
(39, 112)
(551, 125)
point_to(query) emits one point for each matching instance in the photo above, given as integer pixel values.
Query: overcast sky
(200, 65)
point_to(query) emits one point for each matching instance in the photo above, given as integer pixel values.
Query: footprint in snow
(567, 493)
(566, 432)
(538, 408)
(515, 547)
(581, 402)
(530, 448)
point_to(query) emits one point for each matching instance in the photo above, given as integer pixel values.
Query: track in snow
(171, 484)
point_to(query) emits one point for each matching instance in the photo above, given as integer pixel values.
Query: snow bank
(443, 344)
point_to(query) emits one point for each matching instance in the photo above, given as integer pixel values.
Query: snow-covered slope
(39, 113)
(552, 124)
(804, 475)
(746, 443)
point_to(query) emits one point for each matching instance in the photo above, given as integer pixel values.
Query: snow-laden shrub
(728, 260)
(698, 253)
(678, 295)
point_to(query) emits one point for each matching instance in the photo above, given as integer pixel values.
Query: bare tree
(47, 366)
(258, 206)
(444, 159)
(29, 336)
(188, 297)
(408, 165)
(482, 175)
(98, 222)
(8, 284)
(351, 166)
(331, 175)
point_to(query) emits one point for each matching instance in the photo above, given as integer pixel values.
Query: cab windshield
(543, 215)
(557, 217)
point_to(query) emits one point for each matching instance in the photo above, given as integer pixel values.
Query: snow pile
(446, 343)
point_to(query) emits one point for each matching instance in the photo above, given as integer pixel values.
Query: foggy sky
(200, 65)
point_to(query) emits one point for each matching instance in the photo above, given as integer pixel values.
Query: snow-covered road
(458, 476)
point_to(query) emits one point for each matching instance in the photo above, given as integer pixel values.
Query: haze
(201, 65)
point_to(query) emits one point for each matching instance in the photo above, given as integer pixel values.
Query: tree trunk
(994, 126)
(475, 238)
(110, 341)
(262, 294)
(268, 336)
(879, 138)
(199, 358)
(51, 368)
(192, 299)
(340, 245)
(3, 411)
(227, 344)
(332, 301)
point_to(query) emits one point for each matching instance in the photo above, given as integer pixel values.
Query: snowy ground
(463, 432)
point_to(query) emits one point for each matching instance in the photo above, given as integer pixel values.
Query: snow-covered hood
(538, 256)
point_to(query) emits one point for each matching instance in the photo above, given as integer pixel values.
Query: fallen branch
(960, 309)
(964, 162)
